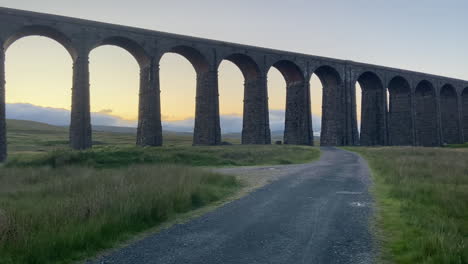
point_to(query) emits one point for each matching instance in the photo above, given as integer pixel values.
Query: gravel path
(311, 213)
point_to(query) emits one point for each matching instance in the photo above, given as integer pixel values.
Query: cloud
(230, 123)
(105, 111)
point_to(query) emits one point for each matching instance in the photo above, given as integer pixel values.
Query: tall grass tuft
(422, 196)
(59, 215)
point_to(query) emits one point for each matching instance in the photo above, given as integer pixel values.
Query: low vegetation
(422, 198)
(58, 215)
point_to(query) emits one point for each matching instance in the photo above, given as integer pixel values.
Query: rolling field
(422, 203)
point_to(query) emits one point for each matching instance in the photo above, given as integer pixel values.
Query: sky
(421, 35)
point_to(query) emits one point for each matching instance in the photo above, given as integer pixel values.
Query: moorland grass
(59, 215)
(422, 203)
(120, 156)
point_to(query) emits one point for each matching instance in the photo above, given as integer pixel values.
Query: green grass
(422, 198)
(119, 156)
(60, 215)
(59, 205)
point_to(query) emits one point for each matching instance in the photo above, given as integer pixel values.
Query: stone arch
(134, 48)
(373, 109)
(194, 56)
(399, 112)
(464, 102)
(246, 65)
(449, 114)
(332, 125)
(425, 109)
(291, 72)
(44, 31)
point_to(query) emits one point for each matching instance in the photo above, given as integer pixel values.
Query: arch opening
(114, 89)
(399, 112)
(449, 114)
(37, 93)
(276, 103)
(231, 90)
(425, 115)
(331, 126)
(43, 31)
(373, 109)
(178, 96)
(464, 100)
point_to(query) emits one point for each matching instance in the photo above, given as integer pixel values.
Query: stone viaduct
(423, 109)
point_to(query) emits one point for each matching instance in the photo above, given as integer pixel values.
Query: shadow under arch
(298, 119)
(400, 124)
(246, 65)
(194, 56)
(464, 102)
(135, 49)
(373, 109)
(426, 128)
(290, 71)
(332, 127)
(43, 31)
(449, 114)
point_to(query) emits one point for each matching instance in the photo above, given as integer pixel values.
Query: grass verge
(119, 156)
(422, 203)
(60, 215)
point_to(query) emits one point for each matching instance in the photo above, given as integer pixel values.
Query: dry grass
(59, 215)
(422, 197)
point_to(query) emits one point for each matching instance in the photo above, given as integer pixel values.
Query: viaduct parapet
(423, 109)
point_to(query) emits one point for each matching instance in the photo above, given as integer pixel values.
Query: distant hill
(25, 125)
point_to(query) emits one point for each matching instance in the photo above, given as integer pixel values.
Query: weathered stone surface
(426, 115)
(298, 127)
(465, 113)
(207, 126)
(400, 124)
(339, 122)
(149, 132)
(255, 126)
(332, 107)
(80, 121)
(3, 139)
(449, 115)
(372, 110)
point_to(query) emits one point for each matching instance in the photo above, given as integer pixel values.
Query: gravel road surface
(311, 213)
